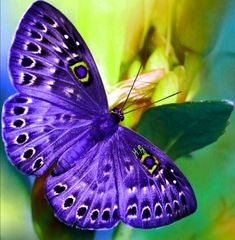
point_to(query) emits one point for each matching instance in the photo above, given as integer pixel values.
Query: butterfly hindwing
(50, 60)
(153, 192)
(86, 196)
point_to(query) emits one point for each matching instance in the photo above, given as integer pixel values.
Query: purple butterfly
(103, 172)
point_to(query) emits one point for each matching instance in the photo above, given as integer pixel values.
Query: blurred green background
(206, 33)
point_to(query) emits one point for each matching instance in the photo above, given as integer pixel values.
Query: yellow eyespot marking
(81, 71)
(149, 161)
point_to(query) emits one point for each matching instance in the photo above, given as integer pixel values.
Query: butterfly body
(105, 126)
(103, 172)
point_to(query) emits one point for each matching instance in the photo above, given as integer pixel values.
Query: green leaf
(46, 225)
(179, 129)
(122, 232)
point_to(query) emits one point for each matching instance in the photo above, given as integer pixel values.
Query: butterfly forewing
(50, 60)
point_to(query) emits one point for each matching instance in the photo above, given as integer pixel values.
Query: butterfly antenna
(153, 102)
(131, 88)
(145, 95)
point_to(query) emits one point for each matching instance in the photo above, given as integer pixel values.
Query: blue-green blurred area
(210, 170)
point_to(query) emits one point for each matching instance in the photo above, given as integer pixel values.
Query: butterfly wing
(86, 196)
(124, 178)
(153, 191)
(60, 91)
(38, 133)
(50, 60)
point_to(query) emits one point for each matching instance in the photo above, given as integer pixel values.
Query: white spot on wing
(57, 60)
(45, 28)
(132, 189)
(145, 189)
(58, 49)
(25, 46)
(82, 184)
(162, 188)
(29, 100)
(106, 173)
(75, 55)
(51, 82)
(52, 70)
(69, 91)
(55, 25)
(65, 46)
(131, 168)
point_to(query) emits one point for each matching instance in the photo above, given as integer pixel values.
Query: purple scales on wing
(155, 198)
(45, 47)
(57, 106)
(110, 184)
(39, 132)
(88, 195)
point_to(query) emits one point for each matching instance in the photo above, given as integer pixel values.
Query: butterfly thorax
(118, 113)
(106, 125)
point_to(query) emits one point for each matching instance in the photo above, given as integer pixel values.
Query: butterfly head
(117, 112)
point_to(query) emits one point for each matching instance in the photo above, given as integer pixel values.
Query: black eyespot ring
(22, 138)
(28, 153)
